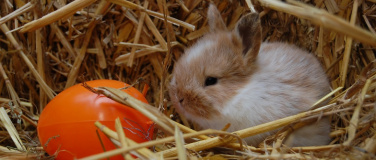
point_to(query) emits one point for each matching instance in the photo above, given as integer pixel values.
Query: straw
(322, 18)
(146, 109)
(65, 11)
(25, 8)
(72, 76)
(355, 117)
(156, 14)
(144, 152)
(48, 48)
(7, 123)
(28, 62)
(182, 155)
(137, 36)
(348, 45)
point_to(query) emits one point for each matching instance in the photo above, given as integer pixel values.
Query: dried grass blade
(321, 42)
(250, 6)
(297, 149)
(68, 9)
(188, 130)
(197, 33)
(326, 97)
(322, 18)
(204, 144)
(100, 54)
(28, 6)
(138, 46)
(7, 123)
(16, 102)
(57, 60)
(348, 46)
(143, 52)
(63, 40)
(369, 24)
(40, 65)
(140, 53)
(138, 33)
(155, 14)
(121, 135)
(343, 4)
(150, 143)
(143, 151)
(181, 3)
(371, 144)
(332, 6)
(352, 128)
(151, 112)
(80, 57)
(13, 154)
(26, 104)
(278, 156)
(182, 155)
(155, 32)
(50, 93)
(102, 7)
(110, 133)
(217, 141)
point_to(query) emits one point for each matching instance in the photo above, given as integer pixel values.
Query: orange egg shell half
(66, 125)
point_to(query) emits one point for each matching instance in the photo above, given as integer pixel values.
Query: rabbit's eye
(210, 81)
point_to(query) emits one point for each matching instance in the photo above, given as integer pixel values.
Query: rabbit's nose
(181, 100)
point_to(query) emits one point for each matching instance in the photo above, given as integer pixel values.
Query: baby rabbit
(232, 77)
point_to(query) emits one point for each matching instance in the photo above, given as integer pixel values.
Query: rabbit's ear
(248, 29)
(215, 19)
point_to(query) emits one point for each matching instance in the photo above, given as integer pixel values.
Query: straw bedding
(47, 46)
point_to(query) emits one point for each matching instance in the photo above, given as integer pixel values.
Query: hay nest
(67, 42)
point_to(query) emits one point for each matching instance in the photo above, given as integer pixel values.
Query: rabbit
(233, 77)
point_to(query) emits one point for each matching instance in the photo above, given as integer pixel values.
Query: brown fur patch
(248, 29)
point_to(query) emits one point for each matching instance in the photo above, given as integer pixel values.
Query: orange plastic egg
(66, 125)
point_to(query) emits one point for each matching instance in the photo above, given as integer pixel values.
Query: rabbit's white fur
(277, 80)
(254, 104)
